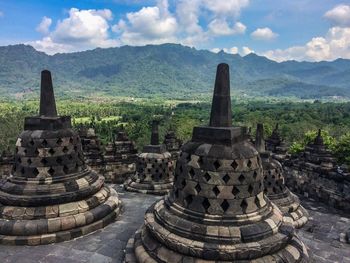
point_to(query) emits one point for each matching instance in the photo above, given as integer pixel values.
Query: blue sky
(310, 30)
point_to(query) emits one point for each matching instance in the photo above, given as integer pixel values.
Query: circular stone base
(63, 228)
(136, 252)
(148, 188)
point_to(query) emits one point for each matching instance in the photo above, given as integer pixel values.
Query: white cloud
(246, 51)
(336, 44)
(220, 27)
(226, 7)
(215, 50)
(339, 15)
(81, 30)
(232, 50)
(44, 25)
(263, 34)
(150, 25)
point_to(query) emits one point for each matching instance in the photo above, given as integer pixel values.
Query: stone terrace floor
(322, 234)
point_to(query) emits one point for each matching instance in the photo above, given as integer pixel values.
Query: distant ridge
(168, 70)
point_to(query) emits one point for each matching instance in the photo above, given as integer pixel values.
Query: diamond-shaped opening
(216, 164)
(36, 152)
(225, 205)
(176, 192)
(241, 178)
(188, 200)
(16, 149)
(31, 142)
(198, 188)
(52, 151)
(269, 172)
(71, 139)
(19, 160)
(188, 157)
(59, 160)
(51, 171)
(250, 189)
(244, 205)
(216, 190)
(274, 189)
(70, 157)
(249, 163)
(59, 141)
(35, 171)
(22, 170)
(234, 165)
(207, 177)
(75, 148)
(65, 149)
(206, 204)
(200, 160)
(44, 143)
(191, 172)
(29, 161)
(255, 175)
(181, 169)
(44, 161)
(65, 169)
(235, 191)
(226, 178)
(183, 183)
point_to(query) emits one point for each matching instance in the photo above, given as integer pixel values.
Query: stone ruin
(120, 157)
(154, 168)
(314, 173)
(277, 146)
(6, 163)
(92, 150)
(217, 210)
(275, 188)
(51, 195)
(172, 144)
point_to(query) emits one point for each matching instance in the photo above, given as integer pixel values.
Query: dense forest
(298, 122)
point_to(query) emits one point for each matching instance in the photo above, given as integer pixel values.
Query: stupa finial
(155, 133)
(259, 138)
(47, 96)
(221, 112)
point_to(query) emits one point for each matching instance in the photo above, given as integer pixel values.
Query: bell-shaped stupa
(120, 158)
(172, 144)
(154, 168)
(51, 195)
(275, 187)
(217, 210)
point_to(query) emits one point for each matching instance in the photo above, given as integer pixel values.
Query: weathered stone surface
(172, 144)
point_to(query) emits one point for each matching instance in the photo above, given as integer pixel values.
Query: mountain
(168, 70)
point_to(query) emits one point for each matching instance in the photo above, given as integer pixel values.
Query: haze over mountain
(168, 70)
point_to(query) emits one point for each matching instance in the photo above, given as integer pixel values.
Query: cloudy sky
(311, 30)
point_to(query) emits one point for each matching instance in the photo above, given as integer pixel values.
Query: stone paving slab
(322, 234)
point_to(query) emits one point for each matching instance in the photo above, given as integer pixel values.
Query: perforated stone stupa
(154, 168)
(52, 196)
(217, 210)
(172, 144)
(275, 187)
(120, 159)
(92, 150)
(6, 163)
(277, 146)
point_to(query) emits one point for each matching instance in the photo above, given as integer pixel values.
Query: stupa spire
(221, 112)
(47, 96)
(259, 138)
(155, 133)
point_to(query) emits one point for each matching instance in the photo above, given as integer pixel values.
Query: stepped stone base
(148, 188)
(57, 223)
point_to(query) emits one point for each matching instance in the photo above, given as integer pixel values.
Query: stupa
(120, 159)
(277, 146)
(275, 187)
(172, 144)
(6, 163)
(52, 195)
(154, 168)
(92, 150)
(217, 210)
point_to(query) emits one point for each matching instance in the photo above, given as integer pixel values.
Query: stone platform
(320, 234)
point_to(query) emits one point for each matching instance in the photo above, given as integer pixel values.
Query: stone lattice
(51, 195)
(6, 163)
(277, 146)
(120, 159)
(314, 173)
(154, 168)
(217, 210)
(92, 150)
(172, 144)
(274, 185)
